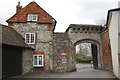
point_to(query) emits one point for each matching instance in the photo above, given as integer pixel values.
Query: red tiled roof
(31, 8)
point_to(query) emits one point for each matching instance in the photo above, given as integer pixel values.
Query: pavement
(83, 71)
(83, 66)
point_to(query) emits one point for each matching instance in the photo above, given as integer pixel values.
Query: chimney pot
(18, 7)
(19, 3)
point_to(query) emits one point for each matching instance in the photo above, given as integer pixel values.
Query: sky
(65, 12)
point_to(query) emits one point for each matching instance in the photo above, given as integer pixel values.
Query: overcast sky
(66, 12)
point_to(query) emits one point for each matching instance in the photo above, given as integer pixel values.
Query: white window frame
(29, 38)
(38, 61)
(30, 17)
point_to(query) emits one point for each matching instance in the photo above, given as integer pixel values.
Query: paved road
(85, 73)
(80, 73)
(83, 66)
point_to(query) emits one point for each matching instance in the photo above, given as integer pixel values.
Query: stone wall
(61, 44)
(86, 33)
(53, 46)
(81, 32)
(44, 37)
(27, 61)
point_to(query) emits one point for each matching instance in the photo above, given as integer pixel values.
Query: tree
(101, 21)
(84, 49)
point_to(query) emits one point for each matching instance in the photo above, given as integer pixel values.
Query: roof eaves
(19, 46)
(108, 15)
(29, 21)
(45, 12)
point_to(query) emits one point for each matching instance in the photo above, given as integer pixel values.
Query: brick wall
(106, 51)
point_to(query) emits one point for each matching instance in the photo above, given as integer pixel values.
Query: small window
(30, 38)
(64, 60)
(96, 29)
(73, 28)
(38, 61)
(32, 17)
(83, 29)
(87, 28)
(78, 28)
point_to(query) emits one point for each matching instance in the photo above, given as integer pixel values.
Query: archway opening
(86, 55)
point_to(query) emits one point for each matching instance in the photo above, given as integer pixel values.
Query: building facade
(113, 25)
(55, 52)
(37, 27)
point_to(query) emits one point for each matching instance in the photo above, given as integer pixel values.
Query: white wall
(113, 33)
(0, 53)
(119, 39)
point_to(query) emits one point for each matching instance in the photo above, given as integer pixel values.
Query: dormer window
(32, 17)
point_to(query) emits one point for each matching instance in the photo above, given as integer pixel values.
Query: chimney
(18, 7)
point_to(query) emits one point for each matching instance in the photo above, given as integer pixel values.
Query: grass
(83, 60)
(82, 63)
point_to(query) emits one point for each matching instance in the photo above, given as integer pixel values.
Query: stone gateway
(37, 27)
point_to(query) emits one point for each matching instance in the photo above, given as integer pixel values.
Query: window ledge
(30, 43)
(38, 66)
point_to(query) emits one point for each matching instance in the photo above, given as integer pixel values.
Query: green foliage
(83, 59)
(82, 63)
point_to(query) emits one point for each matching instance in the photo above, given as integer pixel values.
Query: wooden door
(95, 56)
